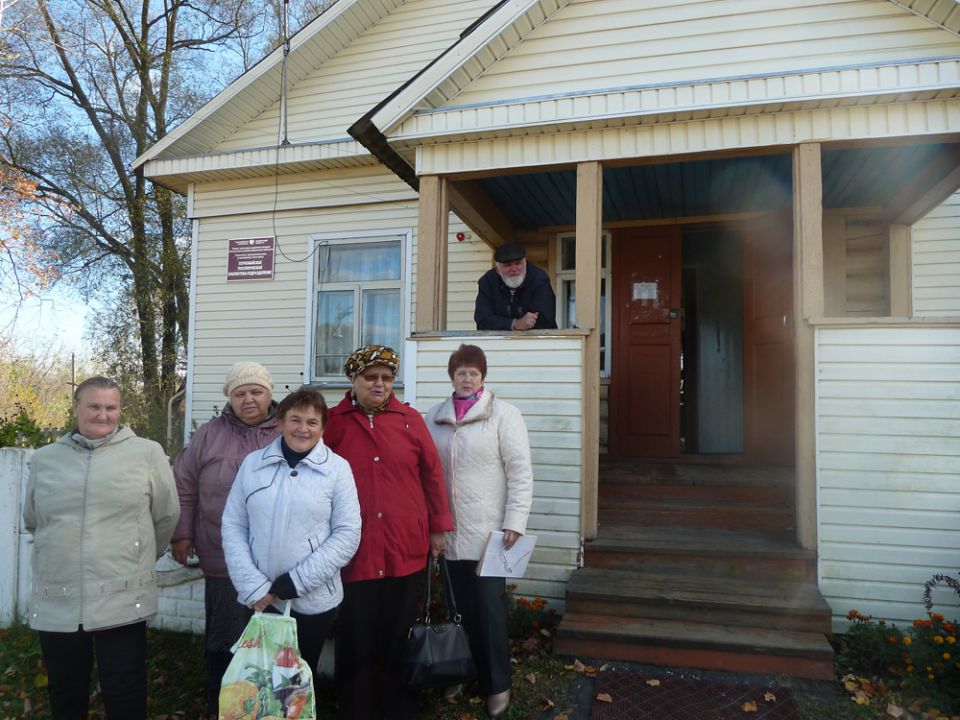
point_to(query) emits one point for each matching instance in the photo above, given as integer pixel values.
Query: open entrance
(702, 342)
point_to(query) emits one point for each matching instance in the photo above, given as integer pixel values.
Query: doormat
(636, 696)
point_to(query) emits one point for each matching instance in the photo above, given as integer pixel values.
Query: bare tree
(85, 87)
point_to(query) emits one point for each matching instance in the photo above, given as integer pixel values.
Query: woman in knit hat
(403, 505)
(483, 445)
(205, 470)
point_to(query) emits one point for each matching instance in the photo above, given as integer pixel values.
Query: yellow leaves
(653, 682)
(894, 711)
(769, 696)
(604, 697)
(41, 681)
(749, 707)
(579, 667)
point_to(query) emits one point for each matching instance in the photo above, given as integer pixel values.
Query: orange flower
(936, 617)
(907, 641)
(938, 639)
(951, 639)
(946, 656)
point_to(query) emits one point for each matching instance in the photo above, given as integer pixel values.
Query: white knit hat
(246, 373)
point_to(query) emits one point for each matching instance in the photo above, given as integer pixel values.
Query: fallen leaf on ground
(769, 696)
(604, 697)
(653, 682)
(546, 704)
(749, 706)
(579, 666)
(532, 678)
(861, 698)
(894, 711)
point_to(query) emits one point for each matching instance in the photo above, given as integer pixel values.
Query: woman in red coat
(405, 515)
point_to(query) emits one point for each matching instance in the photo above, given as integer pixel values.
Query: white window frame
(566, 275)
(314, 242)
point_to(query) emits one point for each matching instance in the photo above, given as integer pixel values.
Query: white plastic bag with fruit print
(267, 679)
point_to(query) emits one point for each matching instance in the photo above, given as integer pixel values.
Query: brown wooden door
(645, 377)
(768, 365)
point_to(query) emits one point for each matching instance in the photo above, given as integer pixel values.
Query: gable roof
(479, 46)
(944, 13)
(259, 87)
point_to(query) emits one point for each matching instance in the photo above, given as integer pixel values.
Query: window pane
(381, 318)
(568, 253)
(570, 292)
(335, 323)
(359, 262)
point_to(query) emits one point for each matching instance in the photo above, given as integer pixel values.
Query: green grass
(543, 685)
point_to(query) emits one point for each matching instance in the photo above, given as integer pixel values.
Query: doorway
(702, 342)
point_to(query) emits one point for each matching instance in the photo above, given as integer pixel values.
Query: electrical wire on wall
(283, 141)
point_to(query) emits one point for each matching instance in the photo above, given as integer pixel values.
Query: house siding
(888, 453)
(936, 261)
(555, 423)
(228, 314)
(382, 58)
(593, 44)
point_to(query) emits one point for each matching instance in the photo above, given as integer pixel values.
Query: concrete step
(694, 512)
(696, 645)
(754, 602)
(711, 552)
(749, 494)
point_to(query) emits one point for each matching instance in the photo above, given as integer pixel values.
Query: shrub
(924, 659)
(22, 431)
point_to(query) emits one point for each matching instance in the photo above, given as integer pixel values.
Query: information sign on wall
(250, 259)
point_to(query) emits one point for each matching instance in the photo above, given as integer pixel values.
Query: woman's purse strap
(449, 601)
(425, 615)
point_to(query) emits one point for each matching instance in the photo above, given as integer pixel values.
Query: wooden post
(589, 239)
(808, 305)
(901, 280)
(432, 254)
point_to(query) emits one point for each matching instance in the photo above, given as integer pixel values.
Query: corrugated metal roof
(852, 177)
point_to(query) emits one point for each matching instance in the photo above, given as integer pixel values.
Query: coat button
(293, 473)
(376, 458)
(379, 515)
(380, 573)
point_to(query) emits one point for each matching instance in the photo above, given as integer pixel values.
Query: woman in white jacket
(485, 453)
(291, 521)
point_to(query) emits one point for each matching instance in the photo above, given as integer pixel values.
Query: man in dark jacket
(515, 295)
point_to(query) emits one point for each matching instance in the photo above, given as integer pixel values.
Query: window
(358, 299)
(567, 291)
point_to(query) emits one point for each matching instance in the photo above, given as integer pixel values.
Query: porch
(811, 235)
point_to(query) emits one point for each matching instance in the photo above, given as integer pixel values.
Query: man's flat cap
(509, 253)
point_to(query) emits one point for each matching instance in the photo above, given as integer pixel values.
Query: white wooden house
(763, 188)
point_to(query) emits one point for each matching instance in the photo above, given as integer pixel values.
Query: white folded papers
(497, 561)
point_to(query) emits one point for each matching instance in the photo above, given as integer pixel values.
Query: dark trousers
(225, 621)
(482, 601)
(372, 629)
(121, 654)
(312, 630)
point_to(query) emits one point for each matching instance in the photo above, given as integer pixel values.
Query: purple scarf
(461, 405)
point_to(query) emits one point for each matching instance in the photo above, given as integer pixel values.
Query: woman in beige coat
(485, 454)
(101, 505)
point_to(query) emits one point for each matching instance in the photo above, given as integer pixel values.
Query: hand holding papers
(497, 561)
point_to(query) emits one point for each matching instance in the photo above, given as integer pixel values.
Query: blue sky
(56, 321)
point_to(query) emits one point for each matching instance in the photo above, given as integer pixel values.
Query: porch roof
(860, 177)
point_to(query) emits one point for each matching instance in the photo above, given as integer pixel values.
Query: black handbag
(438, 653)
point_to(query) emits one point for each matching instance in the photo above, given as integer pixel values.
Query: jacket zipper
(83, 524)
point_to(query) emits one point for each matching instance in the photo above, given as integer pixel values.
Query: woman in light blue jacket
(291, 521)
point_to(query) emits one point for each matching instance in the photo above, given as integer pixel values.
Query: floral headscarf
(362, 358)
